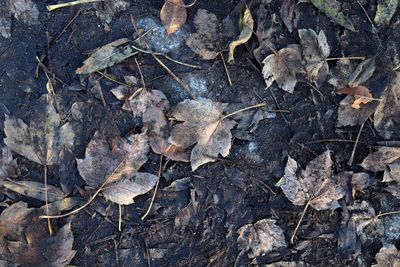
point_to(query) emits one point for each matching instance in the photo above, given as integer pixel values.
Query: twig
(243, 109)
(339, 58)
(226, 69)
(366, 14)
(387, 213)
(299, 222)
(332, 140)
(277, 104)
(66, 27)
(350, 162)
(396, 67)
(119, 217)
(113, 80)
(174, 3)
(72, 3)
(141, 75)
(155, 189)
(47, 201)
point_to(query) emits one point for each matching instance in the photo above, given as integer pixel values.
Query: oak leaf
(203, 125)
(261, 237)
(314, 185)
(24, 239)
(282, 67)
(173, 15)
(115, 168)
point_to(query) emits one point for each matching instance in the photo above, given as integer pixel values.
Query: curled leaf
(173, 15)
(245, 34)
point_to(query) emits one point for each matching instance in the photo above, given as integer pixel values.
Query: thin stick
(332, 140)
(397, 67)
(72, 3)
(366, 14)
(339, 58)
(119, 217)
(243, 109)
(299, 222)
(113, 80)
(66, 27)
(226, 69)
(174, 3)
(387, 213)
(46, 201)
(277, 104)
(155, 190)
(141, 75)
(350, 162)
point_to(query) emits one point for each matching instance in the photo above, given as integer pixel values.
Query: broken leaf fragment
(173, 15)
(361, 95)
(331, 8)
(314, 185)
(385, 11)
(282, 68)
(260, 238)
(376, 161)
(8, 165)
(115, 168)
(202, 125)
(245, 33)
(24, 239)
(388, 256)
(107, 56)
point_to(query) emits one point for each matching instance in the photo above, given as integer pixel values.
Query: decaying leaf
(286, 13)
(314, 185)
(173, 15)
(24, 240)
(315, 50)
(8, 165)
(203, 125)
(377, 161)
(331, 8)
(204, 41)
(362, 73)
(260, 238)
(385, 11)
(107, 56)
(116, 168)
(106, 10)
(361, 95)
(349, 116)
(245, 33)
(45, 137)
(388, 256)
(34, 190)
(283, 67)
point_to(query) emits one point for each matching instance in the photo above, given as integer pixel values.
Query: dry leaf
(44, 139)
(107, 56)
(173, 15)
(315, 50)
(362, 73)
(245, 33)
(283, 67)
(314, 184)
(25, 241)
(106, 10)
(202, 125)
(361, 94)
(286, 13)
(349, 116)
(388, 256)
(331, 8)
(261, 237)
(8, 165)
(117, 167)
(34, 190)
(377, 161)
(385, 11)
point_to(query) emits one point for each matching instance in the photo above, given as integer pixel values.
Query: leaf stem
(387, 213)
(46, 201)
(72, 3)
(299, 222)
(155, 189)
(259, 105)
(339, 58)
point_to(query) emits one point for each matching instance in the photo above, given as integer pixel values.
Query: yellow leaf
(173, 15)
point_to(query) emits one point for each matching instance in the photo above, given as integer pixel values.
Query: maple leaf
(388, 255)
(314, 185)
(173, 15)
(315, 50)
(8, 165)
(203, 125)
(45, 137)
(25, 242)
(259, 238)
(282, 67)
(114, 169)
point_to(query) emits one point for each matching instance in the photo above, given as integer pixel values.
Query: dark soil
(231, 192)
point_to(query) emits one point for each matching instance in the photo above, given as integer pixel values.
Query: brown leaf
(107, 56)
(202, 125)
(377, 160)
(8, 165)
(261, 237)
(283, 67)
(34, 190)
(173, 15)
(314, 184)
(361, 94)
(349, 116)
(388, 256)
(45, 137)
(117, 167)
(24, 239)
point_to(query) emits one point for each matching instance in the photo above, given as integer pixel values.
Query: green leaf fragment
(331, 9)
(385, 11)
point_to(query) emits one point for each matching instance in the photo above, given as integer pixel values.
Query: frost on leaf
(44, 139)
(314, 184)
(388, 256)
(173, 15)
(203, 126)
(315, 50)
(116, 167)
(24, 239)
(8, 165)
(283, 67)
(261, 237)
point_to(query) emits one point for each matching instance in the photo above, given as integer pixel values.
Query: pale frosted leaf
(260, 238)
